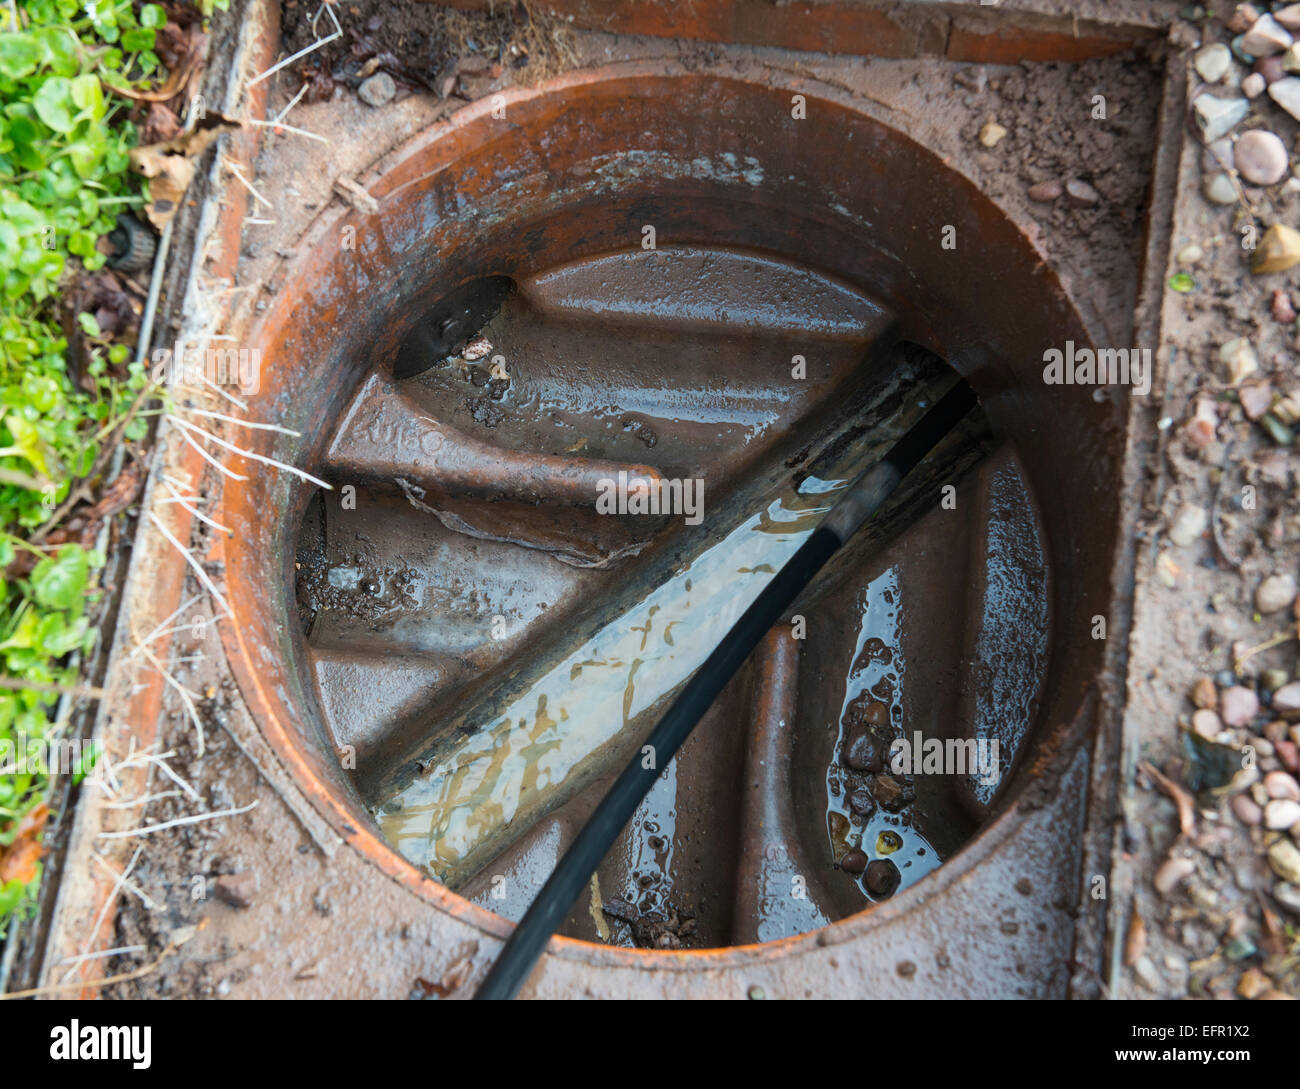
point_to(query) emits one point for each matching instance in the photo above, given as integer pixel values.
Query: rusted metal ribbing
(385, 435)
(776, 897)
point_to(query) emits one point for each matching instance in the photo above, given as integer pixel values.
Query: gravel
(1274, 593)
(378, 90)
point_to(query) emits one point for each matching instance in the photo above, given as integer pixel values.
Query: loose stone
(1081, 193)
(1206, 723)
(1173, 873)
(1280, 785)
(1246, 810)
(1281, 814)
(1213, 62)
(1260, 157)
(855, 861)
(1238, 705)
(1218, 116)
(1218, 189)
(1285, 91)
(1275, 592)
(378, 90)
(991, 134)
(1266, 37)
(1188, 525)
(882, 878)
(1286, 700)
(1204, 694)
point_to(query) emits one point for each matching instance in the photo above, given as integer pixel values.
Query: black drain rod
(863, 498)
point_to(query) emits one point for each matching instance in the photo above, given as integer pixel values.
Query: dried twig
(187, 697)
(131, 803)
(242, 406)
(158, 630)
(246, 183)
(279, 126)
(160, 762)
(1181, 798)
(89, 691)
(338, 33)
(252, 456)
(1215, 529)
(1268, 644)
(123, 977)
(186, 500)
(102, 953)
(108, 902)
(243, 423)
(197, 567)
(127, 884)
(292, 103)
(194, 818)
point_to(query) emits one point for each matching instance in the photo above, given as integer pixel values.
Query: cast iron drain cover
(477, 642)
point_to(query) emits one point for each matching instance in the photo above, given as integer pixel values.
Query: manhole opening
(735, 320)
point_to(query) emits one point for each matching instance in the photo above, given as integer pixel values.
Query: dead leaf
(1135, 942)
(160, 123)
(176, 79)
(170, 166)
(1273, 941)
(18, 860)
(453, 978)
(1184, 801)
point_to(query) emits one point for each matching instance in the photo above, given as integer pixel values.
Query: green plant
(64, 178)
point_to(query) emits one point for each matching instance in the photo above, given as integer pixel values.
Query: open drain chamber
(793, 309)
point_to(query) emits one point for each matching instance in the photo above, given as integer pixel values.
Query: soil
(427, 47)
(1090, 122)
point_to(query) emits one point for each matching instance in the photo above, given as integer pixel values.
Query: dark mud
(426, 46)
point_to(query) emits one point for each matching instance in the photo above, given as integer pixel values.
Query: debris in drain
(855, 861)
(666, 929)
(356, 195)
(882, 878)
(236, 889)
(591, 708)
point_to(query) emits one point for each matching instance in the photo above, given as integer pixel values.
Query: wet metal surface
(773, 897)
(531, 744)
(576, 198)
(385, 436)
(526, 701)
